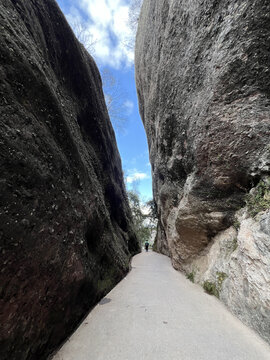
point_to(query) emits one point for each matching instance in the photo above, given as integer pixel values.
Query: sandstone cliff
(65, 224)
(203, 81)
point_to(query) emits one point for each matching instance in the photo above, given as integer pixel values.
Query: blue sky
(105, 28)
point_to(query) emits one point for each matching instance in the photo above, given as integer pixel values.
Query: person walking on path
(146, 245)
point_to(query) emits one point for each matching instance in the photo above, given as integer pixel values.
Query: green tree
(151, 204)
(145, 223)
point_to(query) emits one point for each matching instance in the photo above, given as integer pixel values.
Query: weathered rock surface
(65, 224)
(237, 263)
(203, 80)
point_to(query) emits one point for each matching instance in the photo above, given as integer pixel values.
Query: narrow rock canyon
(203, 82)
(66, 232)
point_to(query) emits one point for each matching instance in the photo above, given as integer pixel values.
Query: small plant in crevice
(236, 224)
(191, 276)
(231, 246)
(214, 288)
(221, 276)
(211, 288)
(259, 199)
(234, 244)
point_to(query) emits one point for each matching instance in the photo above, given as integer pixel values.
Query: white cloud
(135, 176)
(145, 209)
(129, 105)
(107, 22)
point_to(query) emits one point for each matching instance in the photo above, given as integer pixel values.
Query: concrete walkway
(156, 314)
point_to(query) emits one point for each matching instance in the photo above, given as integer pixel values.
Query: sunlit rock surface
(65, 224)
(203, 81)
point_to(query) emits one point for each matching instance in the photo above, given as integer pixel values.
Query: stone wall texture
(66, 233)
(203, 82)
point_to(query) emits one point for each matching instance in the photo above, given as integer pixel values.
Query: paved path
(156, 314)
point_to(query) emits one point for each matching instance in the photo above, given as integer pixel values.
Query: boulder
(66, 232)
(203, 83)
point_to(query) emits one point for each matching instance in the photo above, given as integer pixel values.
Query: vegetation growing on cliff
(211, 288)
(190, 276)
(234, 244)
(221, 276)
(214, 288)
(259, 199)
(236, 224)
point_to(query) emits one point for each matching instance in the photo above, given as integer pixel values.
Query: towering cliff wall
(65, 225)
(203, 81)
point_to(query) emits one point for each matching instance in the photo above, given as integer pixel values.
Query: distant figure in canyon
(146, 245)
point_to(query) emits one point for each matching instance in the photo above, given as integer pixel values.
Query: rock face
(203, 81)
(65, 225)
(237, 264)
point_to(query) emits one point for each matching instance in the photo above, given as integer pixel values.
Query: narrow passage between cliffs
(155, 313)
